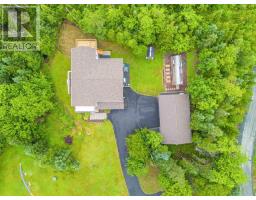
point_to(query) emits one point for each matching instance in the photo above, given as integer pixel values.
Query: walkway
(248, 134)
(142, 111)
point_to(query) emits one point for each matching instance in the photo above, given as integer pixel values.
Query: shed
(174, 113)
(150, 53)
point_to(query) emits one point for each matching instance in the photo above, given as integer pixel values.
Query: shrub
(63, 160)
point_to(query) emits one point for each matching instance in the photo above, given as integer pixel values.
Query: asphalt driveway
(142, 111)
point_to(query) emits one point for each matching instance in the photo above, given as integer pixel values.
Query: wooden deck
(87, 43)
(98, 117)
(169, 79)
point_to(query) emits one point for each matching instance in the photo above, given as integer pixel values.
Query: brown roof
(174, 114)
(95, 81)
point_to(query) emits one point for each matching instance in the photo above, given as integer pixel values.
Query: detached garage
(174, 114)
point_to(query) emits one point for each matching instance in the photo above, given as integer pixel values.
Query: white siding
(69, 82)
(84, 108)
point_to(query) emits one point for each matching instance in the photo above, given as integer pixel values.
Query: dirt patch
(68, 35)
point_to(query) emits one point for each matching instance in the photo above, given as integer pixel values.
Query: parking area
(141, 111)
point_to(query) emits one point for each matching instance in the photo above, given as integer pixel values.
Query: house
(150, 53)
(95, 83)
(174, 115)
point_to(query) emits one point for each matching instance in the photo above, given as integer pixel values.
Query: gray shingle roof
(94, 80)
(174, 114)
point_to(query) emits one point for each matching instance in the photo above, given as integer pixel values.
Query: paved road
(142, 111)
(248, 134)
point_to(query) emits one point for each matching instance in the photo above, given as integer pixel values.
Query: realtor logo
(20, 28)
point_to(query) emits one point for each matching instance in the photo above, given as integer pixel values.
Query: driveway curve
(142, 111)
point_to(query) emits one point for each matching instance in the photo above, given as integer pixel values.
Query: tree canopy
(26, 96)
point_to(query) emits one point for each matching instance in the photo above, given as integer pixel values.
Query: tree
(26, 94)
(144, 147)
(138, 154)
(228, 171)
(202, 187)
(2, 144)
(37, 149)
(21, 104)
(63, 160)
(94, 22)
(51, 17)
(136, 167)
(172, 179)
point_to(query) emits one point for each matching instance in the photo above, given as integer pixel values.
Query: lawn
(149, 183)
(191, 62)
(100, 173)
(93, 145)
(145, 75)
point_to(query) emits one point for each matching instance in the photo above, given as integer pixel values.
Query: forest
(26, 97)
(223, 37)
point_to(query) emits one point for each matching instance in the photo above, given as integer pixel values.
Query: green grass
(11, 183)
(93, 145)
(149, 183)
(191, 62)
(57, 69)
(145, 75)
